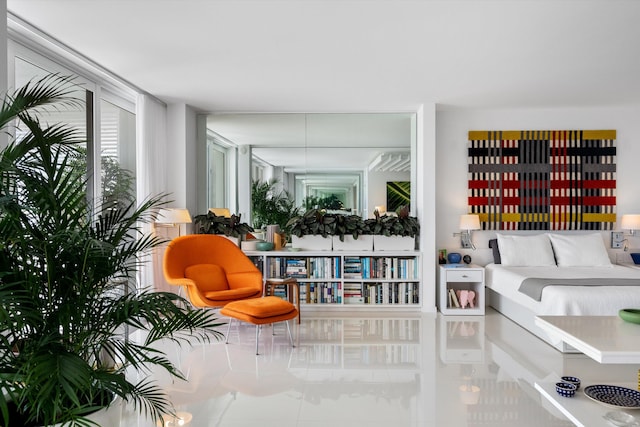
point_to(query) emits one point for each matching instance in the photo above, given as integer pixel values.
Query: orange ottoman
(260, 311)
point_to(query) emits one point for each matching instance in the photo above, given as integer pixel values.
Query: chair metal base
(226, 341)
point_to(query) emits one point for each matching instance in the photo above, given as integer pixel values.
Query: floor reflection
(420, 370)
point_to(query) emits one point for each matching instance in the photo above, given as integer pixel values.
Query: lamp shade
(630, 222)
(173, 216)
(469, 222)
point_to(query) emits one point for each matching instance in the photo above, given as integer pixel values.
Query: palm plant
(63, 309)
(269, 206)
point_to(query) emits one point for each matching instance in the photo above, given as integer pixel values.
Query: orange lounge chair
(212, 270)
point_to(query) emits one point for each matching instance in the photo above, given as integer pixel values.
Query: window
(110, 151)
(220, 167)
(117, 154)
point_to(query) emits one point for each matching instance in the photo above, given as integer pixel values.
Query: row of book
(382, 293)
(304, 267)
(380, 268)
(321, 293)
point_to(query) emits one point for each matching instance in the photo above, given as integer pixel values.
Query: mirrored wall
(349, 159)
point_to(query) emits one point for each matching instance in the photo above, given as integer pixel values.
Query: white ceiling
(376, 55)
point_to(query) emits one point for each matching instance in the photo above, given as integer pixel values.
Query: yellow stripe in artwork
(511, 135)
(599, 134)
(478, 135)
(482, 135)
(598, 217)
(545, 217)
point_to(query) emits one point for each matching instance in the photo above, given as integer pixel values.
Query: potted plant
(231, 227)
(269, 206)
(351, 233)
(312, 230)
(394, 232)
(63, 305)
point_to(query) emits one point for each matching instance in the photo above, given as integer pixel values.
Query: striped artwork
(543, 180)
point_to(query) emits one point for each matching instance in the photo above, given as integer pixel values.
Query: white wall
(451, 159)
(181, 157)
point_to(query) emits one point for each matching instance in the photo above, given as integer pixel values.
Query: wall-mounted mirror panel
(351, 156)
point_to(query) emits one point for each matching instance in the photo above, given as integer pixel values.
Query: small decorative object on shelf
(466, 259)
(454, 258)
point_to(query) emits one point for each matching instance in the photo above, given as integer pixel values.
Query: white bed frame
(525, 318)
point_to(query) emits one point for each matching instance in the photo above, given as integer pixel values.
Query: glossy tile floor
(412, 370)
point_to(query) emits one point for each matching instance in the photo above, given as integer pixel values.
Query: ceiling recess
(391, 162)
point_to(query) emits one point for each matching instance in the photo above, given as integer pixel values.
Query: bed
(551, 274)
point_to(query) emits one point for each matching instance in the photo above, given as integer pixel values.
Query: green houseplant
(350, 225)
(63, 309)
(211, 223)
(399, 225)
(269, 206)
(312, 222)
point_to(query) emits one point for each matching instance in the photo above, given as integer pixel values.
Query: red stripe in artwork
(478, 184)
(587, 184)
(478, 201)
(584, 201)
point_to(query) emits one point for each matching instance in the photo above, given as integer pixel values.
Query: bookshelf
(352, 280)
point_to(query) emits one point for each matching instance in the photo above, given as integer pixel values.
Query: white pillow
(526, 251)
(580, 250)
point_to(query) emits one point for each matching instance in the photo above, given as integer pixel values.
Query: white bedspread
(567, 300)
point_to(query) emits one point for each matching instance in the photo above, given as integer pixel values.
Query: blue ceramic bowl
(264, 246)
(454, 258)
(635, 257)
(572, 380)
(566, 389)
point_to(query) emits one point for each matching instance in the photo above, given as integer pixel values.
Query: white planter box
(393, 243)
(312, 243)
(362, 243)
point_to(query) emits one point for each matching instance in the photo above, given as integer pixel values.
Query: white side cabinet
(461, 277)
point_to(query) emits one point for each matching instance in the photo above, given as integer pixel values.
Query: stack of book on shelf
(353, 293)
(352, 268)
(453, 299)
(297, 267)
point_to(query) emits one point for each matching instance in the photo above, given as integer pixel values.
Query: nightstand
(461, 277)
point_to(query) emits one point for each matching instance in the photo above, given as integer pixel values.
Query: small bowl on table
(635, 257)
(631, 315)
(566, 389)
(572, 380)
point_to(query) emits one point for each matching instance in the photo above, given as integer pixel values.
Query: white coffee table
(605, 339)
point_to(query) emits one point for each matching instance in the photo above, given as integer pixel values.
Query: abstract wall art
(398, 195)
(543, 180)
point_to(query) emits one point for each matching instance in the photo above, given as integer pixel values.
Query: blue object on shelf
(635, 257)
(455, 258)
(566, 389)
